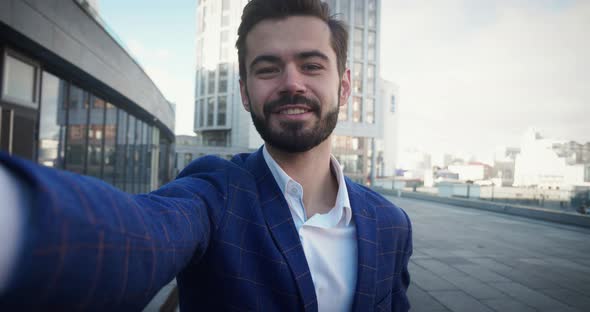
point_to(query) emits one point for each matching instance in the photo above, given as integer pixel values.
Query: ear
(344, 87)
(244, 95)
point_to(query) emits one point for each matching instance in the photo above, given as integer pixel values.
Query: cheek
(260, 93)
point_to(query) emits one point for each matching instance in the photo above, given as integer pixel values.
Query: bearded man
(281, 229)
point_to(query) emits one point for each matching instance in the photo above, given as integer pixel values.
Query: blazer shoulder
(205, 164)
(384, 208)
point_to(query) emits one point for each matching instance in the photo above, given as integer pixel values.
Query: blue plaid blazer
(222, 228)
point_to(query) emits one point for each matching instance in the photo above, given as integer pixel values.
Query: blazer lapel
(364, 216)
(282, 228)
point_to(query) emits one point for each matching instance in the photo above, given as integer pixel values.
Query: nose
(293, 81)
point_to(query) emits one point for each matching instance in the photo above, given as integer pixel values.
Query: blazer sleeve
(89, 246)
(399, 300)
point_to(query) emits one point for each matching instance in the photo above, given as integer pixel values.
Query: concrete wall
(64, 29)
(522, 211)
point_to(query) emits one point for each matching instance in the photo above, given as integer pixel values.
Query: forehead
(289, 36)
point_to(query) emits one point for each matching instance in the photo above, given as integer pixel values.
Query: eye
(266, 70)
(311, 67)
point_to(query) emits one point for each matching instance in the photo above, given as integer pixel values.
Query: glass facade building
(63, 113)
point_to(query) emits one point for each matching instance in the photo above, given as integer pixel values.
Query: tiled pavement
(472, 260)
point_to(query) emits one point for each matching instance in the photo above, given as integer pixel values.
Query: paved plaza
(473, 260)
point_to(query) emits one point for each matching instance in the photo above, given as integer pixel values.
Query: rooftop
(473, 260)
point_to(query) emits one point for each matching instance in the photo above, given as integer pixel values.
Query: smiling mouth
(293, 111)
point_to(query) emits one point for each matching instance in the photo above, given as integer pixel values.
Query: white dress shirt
(329, 240)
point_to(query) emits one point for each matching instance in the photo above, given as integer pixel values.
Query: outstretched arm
(87, 245)
(13, 196)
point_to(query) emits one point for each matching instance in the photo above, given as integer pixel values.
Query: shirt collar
(342, 205)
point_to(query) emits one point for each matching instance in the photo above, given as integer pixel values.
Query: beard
(291, 136)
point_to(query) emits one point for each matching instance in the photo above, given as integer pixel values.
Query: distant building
(547, 163)
(472, 171)
(387, 146)
(73, 98)
(504, 162)
(415, 163)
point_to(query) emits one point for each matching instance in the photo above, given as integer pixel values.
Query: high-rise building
(71, 97)
(387, 146)
(222, 124)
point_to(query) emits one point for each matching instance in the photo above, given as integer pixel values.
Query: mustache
(286, 99)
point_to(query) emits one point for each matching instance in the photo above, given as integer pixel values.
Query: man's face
(292, 88)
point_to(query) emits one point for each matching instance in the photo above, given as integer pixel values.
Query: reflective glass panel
(221, 110)
(19, 82)
(77, 130)
(110, 135)
(95, 137)
(210, 111)
(121, 148)
(52, 121)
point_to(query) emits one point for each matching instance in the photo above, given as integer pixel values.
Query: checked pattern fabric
(222, 228)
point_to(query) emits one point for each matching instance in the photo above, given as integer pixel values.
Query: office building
(73, 98)
(387, 146)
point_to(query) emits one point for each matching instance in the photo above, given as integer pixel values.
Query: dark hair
(258, 10)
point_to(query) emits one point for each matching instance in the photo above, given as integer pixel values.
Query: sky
(472, 74)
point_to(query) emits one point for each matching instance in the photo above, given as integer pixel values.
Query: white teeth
(293, 111)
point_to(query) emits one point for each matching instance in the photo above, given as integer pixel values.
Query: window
(332, 5)
(224, 20)
(372, 7)
(372, 44)
(345, 9)
(19, 81)
(203, 82)
(357, 103)
(370, 80)
(359, 12)
(370, 111)
(210, 111)
(95, 137)
(225, 5)
(121, 149)
(221, 110)
(202, 112)
(216, 138)
(357, 78)
(358, 44)
(77, 130)
(223, 77)
(52, 122)
(211, 86)
(110, 135)
(224, 36)
(130, 155)
(393, 103)
(188, 157)
(343, 114)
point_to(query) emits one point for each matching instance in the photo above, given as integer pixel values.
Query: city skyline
(522, 63)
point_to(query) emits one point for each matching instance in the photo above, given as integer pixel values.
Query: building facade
(71, 97)
(550, 164)
(221, 121)
(387, 145)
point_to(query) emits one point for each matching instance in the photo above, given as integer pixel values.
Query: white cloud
(476, 74)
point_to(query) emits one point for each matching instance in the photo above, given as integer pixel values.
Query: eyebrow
(275, 59)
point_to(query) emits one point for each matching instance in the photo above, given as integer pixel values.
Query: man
(277, 230)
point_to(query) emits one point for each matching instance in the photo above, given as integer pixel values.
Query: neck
(311, 169)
